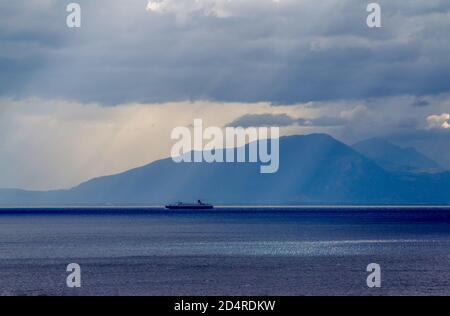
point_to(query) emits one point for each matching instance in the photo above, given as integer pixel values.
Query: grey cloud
(328, 121)
(421, 103)
(296, 52)
(257, 120)
(283, 120)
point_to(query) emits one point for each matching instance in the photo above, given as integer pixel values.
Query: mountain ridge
(396, 158)
(314, 169)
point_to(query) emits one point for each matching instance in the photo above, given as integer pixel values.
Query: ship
(190, 206)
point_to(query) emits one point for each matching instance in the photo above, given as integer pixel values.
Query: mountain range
(395, 158)
(314, 169)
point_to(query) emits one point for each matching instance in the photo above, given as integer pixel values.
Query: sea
(228, 251)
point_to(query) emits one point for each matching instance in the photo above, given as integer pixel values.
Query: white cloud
(215, 8)
(438, 121)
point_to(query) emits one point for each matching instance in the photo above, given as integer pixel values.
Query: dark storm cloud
(421, 103)
(283, 120)
(257, 120)
(294, 51)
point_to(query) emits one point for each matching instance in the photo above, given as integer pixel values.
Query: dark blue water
(230, 251)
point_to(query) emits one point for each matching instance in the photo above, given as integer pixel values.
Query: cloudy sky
(80, 103)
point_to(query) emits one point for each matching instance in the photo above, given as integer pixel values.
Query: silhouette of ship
(190, 206)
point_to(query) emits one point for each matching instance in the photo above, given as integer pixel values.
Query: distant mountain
(433, 143)
(314, 169)
(395, 158)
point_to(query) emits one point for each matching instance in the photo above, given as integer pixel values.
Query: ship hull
(189, 207)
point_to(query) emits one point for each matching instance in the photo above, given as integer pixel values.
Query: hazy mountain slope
(434, 144)
(313, 169)
(395, 158)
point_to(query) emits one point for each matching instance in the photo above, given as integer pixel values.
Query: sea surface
(228, 251)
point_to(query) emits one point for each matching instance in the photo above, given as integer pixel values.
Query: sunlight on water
(221, 253)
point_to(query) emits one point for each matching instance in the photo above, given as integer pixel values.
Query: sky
(77, 103)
